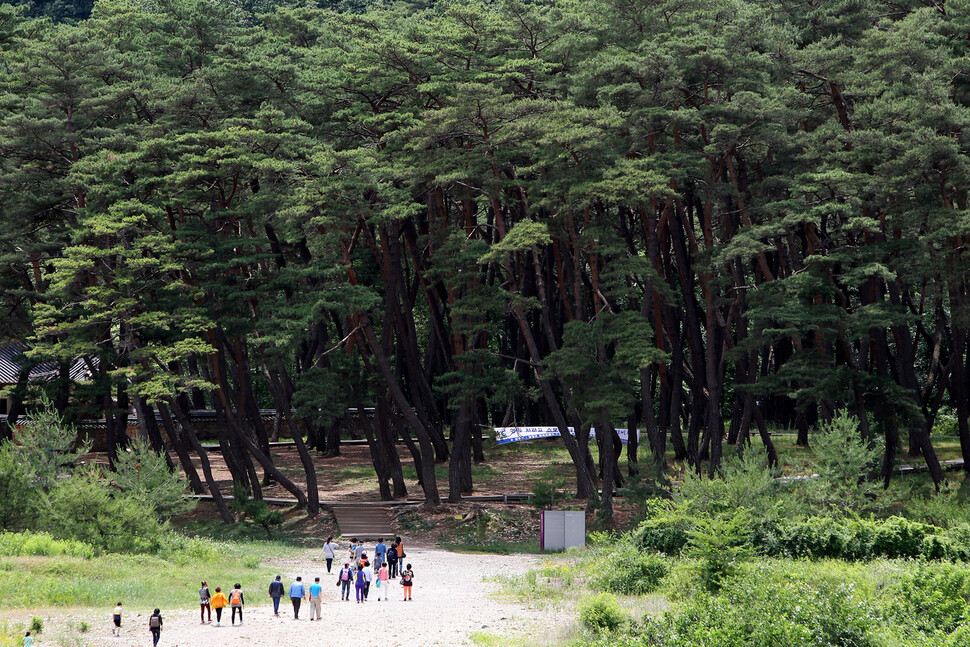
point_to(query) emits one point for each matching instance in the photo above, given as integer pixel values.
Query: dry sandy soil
(452, 599)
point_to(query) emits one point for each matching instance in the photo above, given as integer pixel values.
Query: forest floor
(457, 600)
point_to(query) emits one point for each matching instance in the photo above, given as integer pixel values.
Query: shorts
(117, 620)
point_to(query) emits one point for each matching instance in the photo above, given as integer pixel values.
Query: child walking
(28, 640)
(219, 602)
(382, 581)
(407, 578)
(205, 599)
(360, 583)
(236, 602)
(116, 618)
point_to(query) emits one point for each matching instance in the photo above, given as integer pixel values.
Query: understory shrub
(602, 613)
(933, 598)
(757, 610)
(628, 571)
(666, 533)
(720, 546)
(84, 509)
(18, 502)
(820, 537)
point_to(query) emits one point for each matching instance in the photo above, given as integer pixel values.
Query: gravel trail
(451, 600)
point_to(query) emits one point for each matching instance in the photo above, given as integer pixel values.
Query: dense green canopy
(694, 216)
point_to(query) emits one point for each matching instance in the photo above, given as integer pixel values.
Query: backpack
(345, 574)
(155, 622)
(235, 597)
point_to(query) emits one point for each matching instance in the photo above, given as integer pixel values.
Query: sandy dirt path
(451, 600)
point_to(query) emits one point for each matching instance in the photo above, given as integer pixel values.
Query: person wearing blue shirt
(297, 594)
(315, 590)
(380, 550)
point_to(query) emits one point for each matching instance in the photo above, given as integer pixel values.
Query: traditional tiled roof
(11, 361)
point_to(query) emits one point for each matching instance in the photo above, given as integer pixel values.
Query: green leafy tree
(49, 448)
(846, 467)
(85, 507)
(143, 475)
(18, 497)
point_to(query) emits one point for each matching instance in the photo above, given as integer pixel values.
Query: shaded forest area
(696, 217)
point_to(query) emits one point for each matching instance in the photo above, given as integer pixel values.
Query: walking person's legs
(156, 634)
(218, 616)
(296, 607)
(329, 564)
(276, 606)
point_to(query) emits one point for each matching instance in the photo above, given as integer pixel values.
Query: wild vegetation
(744, 560)
(696, 217)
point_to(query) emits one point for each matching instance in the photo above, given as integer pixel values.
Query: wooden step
(363, 521)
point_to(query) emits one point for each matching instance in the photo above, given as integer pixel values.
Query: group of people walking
(154, 625)
(208, 601)
(359, 572)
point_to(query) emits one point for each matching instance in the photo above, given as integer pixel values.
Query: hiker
(344, 579)
(116, 618)
(315, 591)
(358, 553)
(219, 602)
(368, 578)
(28, 640)
(329, 552)
(353, 551)
(400, 550)
(360, 583)
(204, 602)
(392, 560)
(297, 594)
(155, 626)
(380, 550)
(407, 578)
(382, 581)
(236, 602)
(276, 592)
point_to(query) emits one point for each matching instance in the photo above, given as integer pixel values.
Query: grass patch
(140, 581)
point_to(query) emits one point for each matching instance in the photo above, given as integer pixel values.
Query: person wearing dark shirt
(276, 592)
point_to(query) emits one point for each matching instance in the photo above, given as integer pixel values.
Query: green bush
(900, 537)
(846, 467)
(601, 613)
(933, 598)
(720, 546)
(546, 490)
(743, 483)
(83, 508)
(818, 537)
(757, 610)
(666, 533)
(143, 475)
(18, 502)
(36, 625)
(628, 571)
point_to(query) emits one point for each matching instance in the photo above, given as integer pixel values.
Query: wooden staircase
(362, 520)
